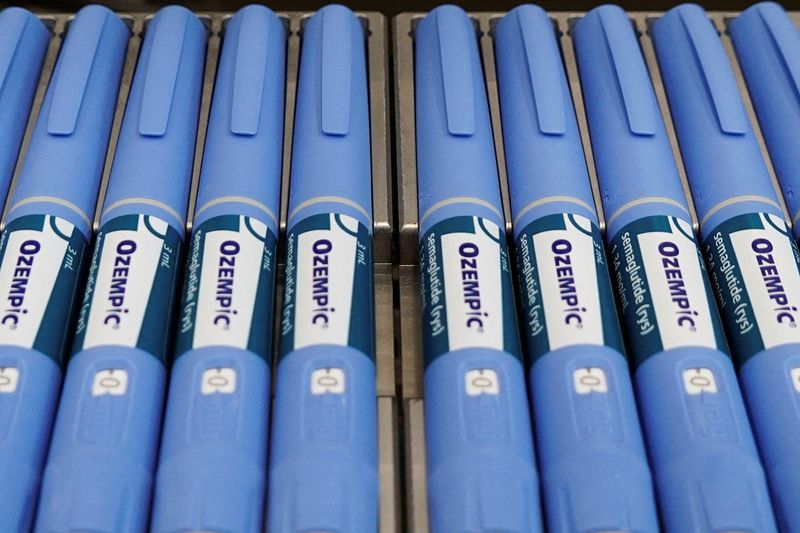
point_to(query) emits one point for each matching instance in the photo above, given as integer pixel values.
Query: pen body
(323, 460)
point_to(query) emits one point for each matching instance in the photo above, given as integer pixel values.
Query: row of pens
(89, 455)
(699, 429)
(708, 321)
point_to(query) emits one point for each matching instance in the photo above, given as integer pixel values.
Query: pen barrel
(23, 43)
(705, 461)
(213, 460)
(105, 431)
(755, 270)
(324, 455)
(593, 467)
(29, 385)
(478, 443)
(771, 386)
(212, 466)
(42, 260)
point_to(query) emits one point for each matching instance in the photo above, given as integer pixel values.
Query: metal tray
(376, 34)
(410, 349)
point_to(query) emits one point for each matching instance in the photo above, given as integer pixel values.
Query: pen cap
(331, 151)
(544, 155)
(767, 44)
(455, 148)
(244, 142)
(64, 163)
(635, 165)
(719, 149)
(23, 43)
(155, 152)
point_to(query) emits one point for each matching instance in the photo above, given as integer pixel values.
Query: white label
(590, 379)
(218, 381)
(699, 381)
(568, 278)
(9, 379)
(327, 381)
(124, 283)
(112, 381)
(772, 280)
(29, 271)
(473, 287)
(675, 278)
(482, 381)
(228, 285)
(326, 262)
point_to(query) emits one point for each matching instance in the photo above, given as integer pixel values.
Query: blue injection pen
(323, 463)
(44, 246)
(594, 469)
(704, 459)
(23, 43)
(100, 466)
(481, 465)
(753, 260)
(768, 46)
(212, 467)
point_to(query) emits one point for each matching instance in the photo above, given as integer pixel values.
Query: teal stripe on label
(566, 290)
(131, 287)
(755, 274)
(466, 291)
(228, 295)
(41, 261)
(663, 289)
(328, 288)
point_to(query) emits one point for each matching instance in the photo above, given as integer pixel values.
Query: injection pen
(44, 246)
(752, 257)
(594, 469)
(767, 44)
(23, 43)
(480, 457)
(323, 460)
(102, 456)
(212, 467)
(704, 459)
